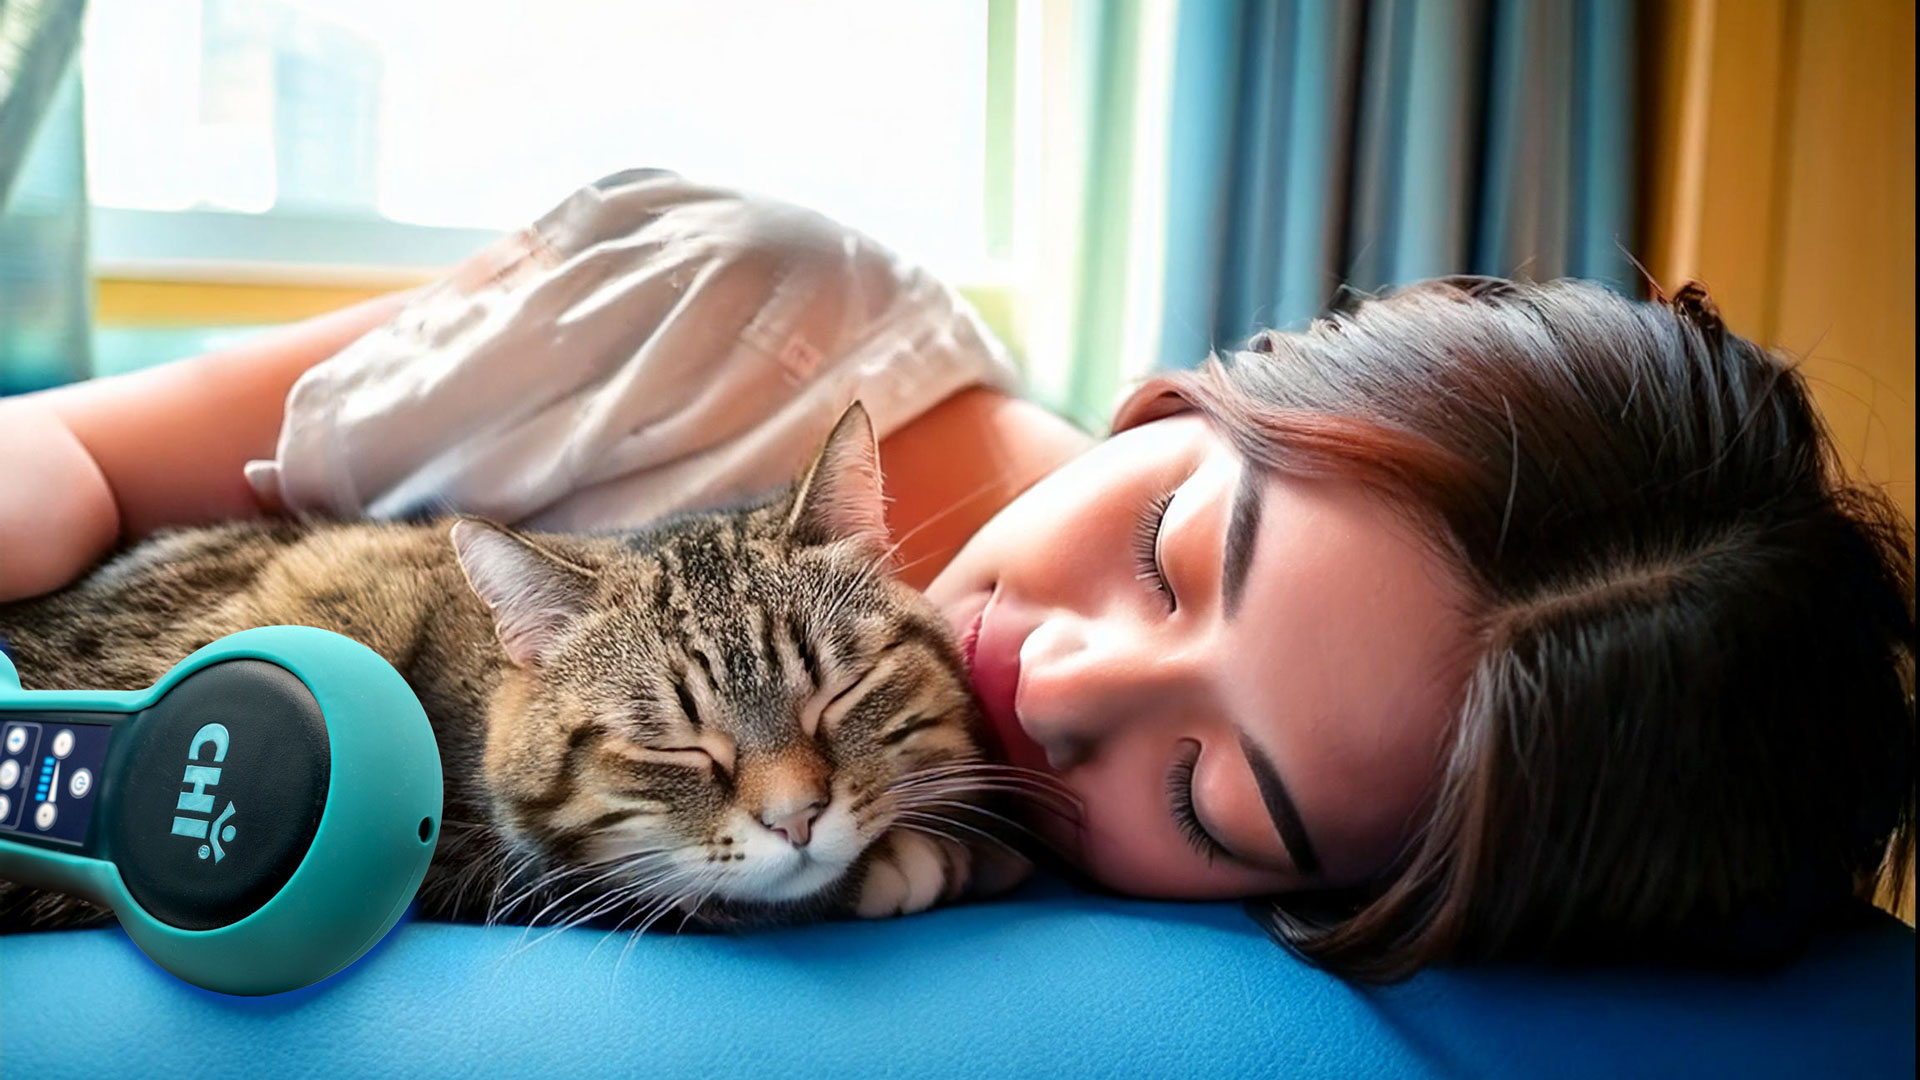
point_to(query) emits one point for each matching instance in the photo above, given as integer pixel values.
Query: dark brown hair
(1687, 733)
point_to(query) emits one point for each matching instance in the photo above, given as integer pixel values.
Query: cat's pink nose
(794, 826)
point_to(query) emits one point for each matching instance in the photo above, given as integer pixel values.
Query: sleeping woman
(1481, 619)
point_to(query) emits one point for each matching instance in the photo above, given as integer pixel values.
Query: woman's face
(1163, 629)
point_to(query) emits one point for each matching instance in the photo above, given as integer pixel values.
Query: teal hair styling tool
(257, 819)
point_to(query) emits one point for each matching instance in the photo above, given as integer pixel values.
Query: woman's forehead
(1343, 658)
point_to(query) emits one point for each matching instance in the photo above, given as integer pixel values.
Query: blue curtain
(46, 294)
(1321, 144)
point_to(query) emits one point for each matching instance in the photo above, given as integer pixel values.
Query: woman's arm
(56, 513)
(956, 465)
(94, 463)
(172, 440)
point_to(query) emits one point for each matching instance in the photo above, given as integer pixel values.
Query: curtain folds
(1307, 146)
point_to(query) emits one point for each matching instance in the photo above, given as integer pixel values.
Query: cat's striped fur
(733, 717)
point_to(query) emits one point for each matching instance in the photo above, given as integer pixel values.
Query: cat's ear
(840, 497)
(532, 593)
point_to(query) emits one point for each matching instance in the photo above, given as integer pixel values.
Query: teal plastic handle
(376, 834)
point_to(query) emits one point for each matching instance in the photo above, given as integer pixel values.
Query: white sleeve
(650, 345)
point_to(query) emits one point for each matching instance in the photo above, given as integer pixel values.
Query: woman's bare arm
(94, 463)
(91, 465)
(956, 465)
(172, 440)
(56, 513)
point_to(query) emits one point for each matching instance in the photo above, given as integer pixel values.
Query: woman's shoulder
(957, 464)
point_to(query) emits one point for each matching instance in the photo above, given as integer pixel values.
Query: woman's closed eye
(1146, 547)
(1180, 802)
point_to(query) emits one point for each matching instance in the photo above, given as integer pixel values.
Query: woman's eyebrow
(1243, 523)
(1286, 817)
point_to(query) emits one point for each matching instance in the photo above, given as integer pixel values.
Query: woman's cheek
(1143, 856)
(1124, 843)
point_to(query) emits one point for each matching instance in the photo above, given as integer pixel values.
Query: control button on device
(63, 744)
(80, 783)
(6, 807)
(16, 740)
(9, 772)
(43, 817)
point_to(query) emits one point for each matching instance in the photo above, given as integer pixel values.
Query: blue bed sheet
(1051, 982)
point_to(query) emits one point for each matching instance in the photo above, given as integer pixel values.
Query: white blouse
(650, 345)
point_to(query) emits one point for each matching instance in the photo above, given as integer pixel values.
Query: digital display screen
(50, 776)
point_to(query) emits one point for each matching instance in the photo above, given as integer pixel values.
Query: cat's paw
(910, 872)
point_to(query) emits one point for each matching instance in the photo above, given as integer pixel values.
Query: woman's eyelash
(1146, 542)
(1180, 798)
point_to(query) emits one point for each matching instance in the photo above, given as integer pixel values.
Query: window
(344, 139)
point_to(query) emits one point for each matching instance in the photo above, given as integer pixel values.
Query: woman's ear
(531, 592)
(840, 497)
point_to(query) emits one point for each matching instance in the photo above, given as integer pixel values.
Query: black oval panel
(202, 843)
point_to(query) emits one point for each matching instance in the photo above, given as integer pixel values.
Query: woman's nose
(1086, 680)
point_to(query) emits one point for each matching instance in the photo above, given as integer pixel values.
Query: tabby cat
(734, 717)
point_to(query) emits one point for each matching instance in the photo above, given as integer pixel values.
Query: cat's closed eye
(714, 756)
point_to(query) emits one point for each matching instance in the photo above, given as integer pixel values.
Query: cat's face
(724, 713)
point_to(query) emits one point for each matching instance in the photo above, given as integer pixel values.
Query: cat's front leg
(909, 872)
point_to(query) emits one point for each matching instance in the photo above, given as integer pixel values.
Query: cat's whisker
(518, 857)
(472, 879)
(506, 868)
(495, 911)
(1008, 822)
(585, 913)
(692, 907)
(609, 901)
(938, 515)
(975, 765)
(650, 908)
(982, 764)
(917, 821)
(454, 889)
(956, 804)
(1020, 797)
(1001, 782)
(602, 876)
(923, 816)
(1005, 780)
(627, 896)
(633, 938)
(1026, 788)
(882, 562)
(650, 885)
(500, 911)
(551, 877)
(672, 902)
(1047, 798)
(558, 875)
(904, 567)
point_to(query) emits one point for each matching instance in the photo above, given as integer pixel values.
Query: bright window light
(448, 113)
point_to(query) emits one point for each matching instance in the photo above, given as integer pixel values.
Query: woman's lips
(970, 639)
(992, 647)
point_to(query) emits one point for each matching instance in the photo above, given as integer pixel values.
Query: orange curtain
(1781, 175)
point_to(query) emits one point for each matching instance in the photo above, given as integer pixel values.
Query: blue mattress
(1048, 983)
